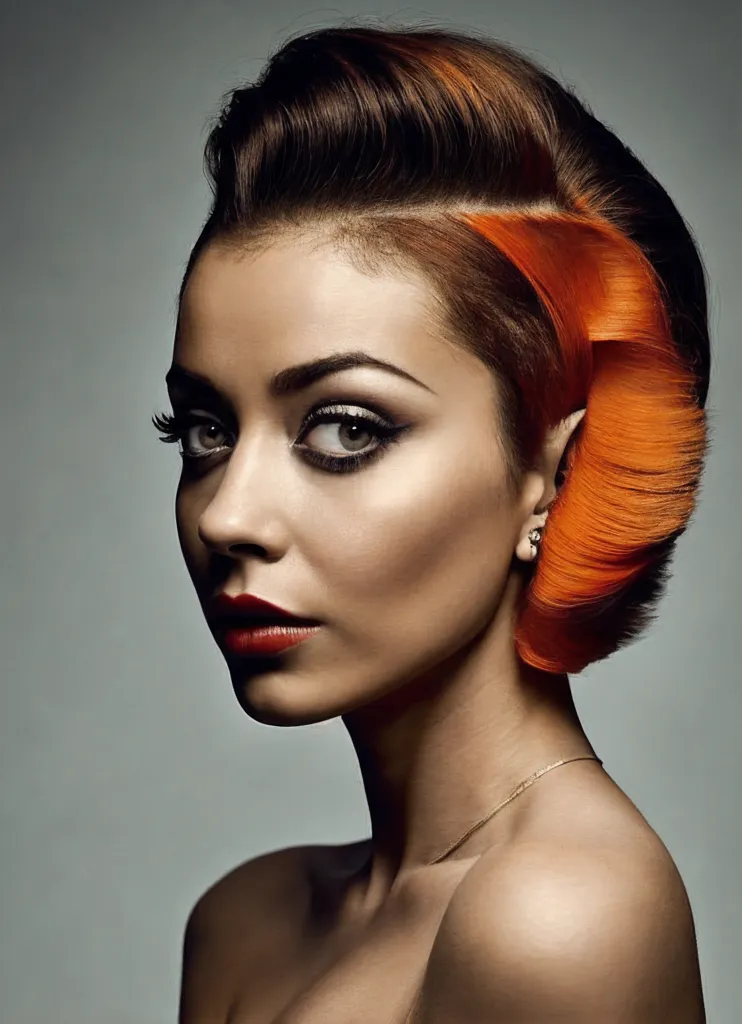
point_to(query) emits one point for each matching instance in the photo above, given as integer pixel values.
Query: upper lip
(246, 609)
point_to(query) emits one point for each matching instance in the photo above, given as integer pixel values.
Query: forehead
(300, 298)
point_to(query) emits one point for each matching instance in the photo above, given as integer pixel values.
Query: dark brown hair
(557, 258)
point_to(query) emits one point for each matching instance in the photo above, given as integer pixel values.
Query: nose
(247, 513)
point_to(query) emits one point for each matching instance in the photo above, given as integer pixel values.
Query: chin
(272, 696)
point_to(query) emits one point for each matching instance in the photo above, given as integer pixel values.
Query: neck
(440, 751)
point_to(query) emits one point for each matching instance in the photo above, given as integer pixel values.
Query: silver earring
(534, 537)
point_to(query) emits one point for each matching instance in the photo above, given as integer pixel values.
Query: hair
(555, 256)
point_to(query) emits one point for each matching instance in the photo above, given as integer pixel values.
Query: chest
(370, 978)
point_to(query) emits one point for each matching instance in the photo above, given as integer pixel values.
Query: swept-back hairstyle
(555, 257)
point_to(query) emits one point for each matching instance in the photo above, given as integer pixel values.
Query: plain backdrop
(130, 778)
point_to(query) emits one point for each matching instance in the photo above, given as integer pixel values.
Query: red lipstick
(250, 625)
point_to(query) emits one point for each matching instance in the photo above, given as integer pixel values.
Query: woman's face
(403, 556)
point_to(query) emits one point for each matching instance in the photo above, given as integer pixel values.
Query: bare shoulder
(236, 926)
(583, 930)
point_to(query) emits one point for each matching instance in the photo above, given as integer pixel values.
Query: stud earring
(534, 537)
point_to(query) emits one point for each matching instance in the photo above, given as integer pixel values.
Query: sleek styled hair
(556, 258)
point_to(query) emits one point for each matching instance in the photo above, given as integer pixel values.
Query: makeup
(247, 624)
(266, 639)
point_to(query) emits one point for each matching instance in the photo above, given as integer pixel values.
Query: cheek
(421, 549)
(188, 508)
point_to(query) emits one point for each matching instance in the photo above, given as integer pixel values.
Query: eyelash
(174, 427)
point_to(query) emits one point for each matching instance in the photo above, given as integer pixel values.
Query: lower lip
(266, 639)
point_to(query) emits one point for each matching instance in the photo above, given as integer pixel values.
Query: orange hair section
(635, 464)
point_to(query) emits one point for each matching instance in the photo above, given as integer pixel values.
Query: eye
(201, 438)
(198, 436)
(343, 437)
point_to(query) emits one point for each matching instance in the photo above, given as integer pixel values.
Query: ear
(542, 482)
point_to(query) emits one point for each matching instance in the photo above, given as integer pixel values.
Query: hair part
(554, 256)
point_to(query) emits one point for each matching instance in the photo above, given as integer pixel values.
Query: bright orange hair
(560, 261)
(636, 463)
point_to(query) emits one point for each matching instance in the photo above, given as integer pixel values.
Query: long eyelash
(173, 428)
(168, 425)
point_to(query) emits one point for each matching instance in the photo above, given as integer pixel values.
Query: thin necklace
(516, 792)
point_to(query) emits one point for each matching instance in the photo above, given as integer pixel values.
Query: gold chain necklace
(516, 792)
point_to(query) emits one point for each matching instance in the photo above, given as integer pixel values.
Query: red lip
(251, 625)
(247, 609)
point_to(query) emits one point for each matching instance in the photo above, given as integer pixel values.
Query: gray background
(130, 778)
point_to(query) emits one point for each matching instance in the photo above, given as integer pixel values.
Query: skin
(565, 906)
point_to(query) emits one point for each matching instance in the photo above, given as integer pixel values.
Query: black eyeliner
(174, 426)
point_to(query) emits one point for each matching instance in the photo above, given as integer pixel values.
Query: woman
(438, 382)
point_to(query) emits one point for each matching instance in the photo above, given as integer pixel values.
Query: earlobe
(528, 545)
(534, 536)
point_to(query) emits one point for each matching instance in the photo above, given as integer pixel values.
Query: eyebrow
(296, 378)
